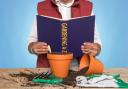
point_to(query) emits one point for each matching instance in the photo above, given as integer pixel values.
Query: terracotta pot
(60, 63)
(95, 66)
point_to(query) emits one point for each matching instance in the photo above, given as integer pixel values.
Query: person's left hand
(91, 48)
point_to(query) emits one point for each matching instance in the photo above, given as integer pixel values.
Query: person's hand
(91, 48)
(38, 48)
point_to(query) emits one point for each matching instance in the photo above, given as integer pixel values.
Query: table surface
(8, 82)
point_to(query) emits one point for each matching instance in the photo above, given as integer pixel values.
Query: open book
(68, 33)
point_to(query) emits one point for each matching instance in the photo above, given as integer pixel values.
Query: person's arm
(97, 40)
(34, 46)
(93, 48)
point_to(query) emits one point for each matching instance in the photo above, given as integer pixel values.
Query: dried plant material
(49, 49)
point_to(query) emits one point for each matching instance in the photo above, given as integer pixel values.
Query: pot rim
(56, 56)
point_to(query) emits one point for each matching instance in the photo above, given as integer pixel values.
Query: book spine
(64, 28)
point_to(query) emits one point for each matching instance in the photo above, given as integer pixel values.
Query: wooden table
(5, 83)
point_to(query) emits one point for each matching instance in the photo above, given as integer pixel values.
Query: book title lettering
(64, 27)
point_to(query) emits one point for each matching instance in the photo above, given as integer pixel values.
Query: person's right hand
(39, 48)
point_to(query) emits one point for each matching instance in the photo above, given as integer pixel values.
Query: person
(64, 9)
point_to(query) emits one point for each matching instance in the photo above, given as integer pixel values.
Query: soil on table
(24, 78)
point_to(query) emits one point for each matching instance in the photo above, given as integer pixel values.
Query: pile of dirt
(24, 78)
(71, 79)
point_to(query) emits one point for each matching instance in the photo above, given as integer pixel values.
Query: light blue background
(16, 17)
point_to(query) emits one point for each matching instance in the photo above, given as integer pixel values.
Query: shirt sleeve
(33, 34)
(96, 34)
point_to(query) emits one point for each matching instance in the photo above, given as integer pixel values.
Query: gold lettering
(64, 28)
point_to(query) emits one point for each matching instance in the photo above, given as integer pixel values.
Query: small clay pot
(95, 66)
(60, 63)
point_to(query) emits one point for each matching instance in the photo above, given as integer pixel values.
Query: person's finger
(91, 46)
(89, 51)
(88, 43)
(41, 44)
(40, 50)
(86, 51)
(88, 46)
(82, 47)
(40, 47)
